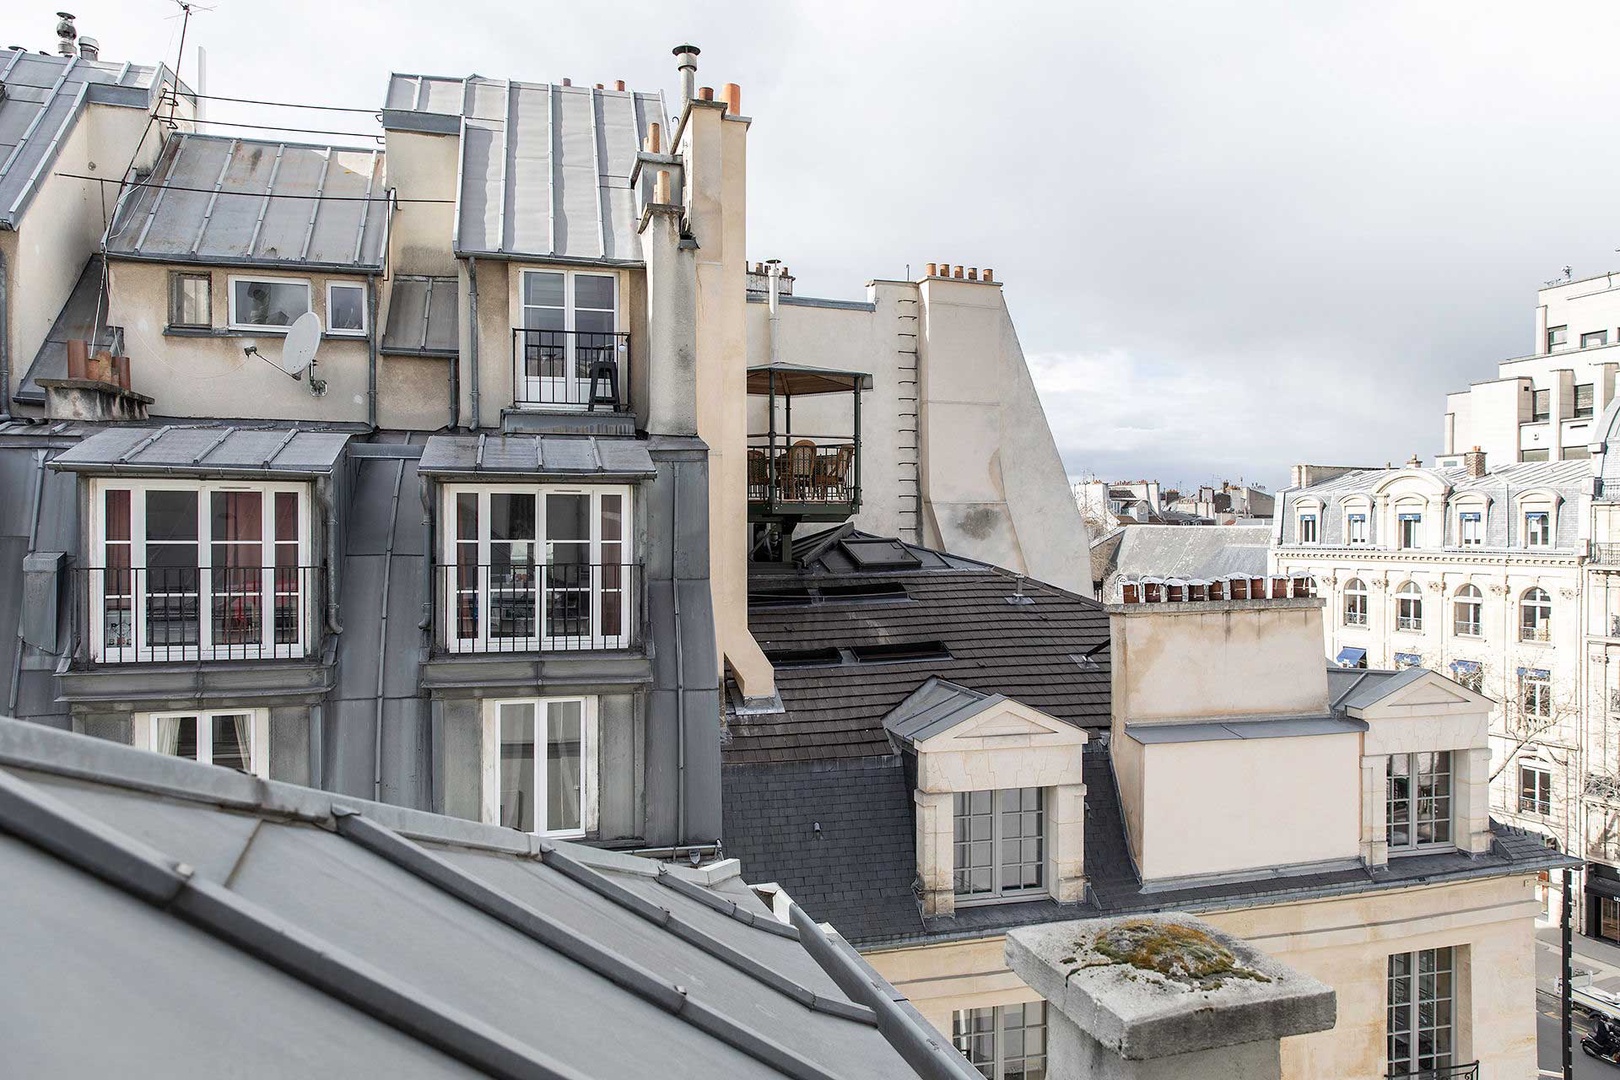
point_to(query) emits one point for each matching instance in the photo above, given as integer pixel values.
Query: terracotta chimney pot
(733, 99)
(705, 93)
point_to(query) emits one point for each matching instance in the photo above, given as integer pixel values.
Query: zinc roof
(544, 170)
(351, 937)
(935, 706)
(1521, 474)
(206, 450)
(574, 456)
(250, 202)
(1201, 552)
(44, 96)
(422, 317)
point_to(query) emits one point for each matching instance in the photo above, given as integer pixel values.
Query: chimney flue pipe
(687, 55)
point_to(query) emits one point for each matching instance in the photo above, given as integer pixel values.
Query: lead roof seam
(224, 434)
(501, 223)
(597, 134)
(551, 933)
(143, 444)
(365, 215)
(16, 56)
(551, 169)
(315, 204)
(269, 193)
(725, 907)
(213, 198)
(286, 441)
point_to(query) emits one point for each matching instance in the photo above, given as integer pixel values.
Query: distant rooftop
(43, 96)
(1522, 474)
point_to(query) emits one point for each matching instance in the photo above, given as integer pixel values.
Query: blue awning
(1411, 517)
(1464, 667)
(1349, 657)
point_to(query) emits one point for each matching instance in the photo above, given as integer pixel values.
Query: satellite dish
(298, 350)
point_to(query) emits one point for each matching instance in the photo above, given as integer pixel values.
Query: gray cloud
(1234, 235)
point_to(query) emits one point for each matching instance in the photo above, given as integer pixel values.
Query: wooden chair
(759, 475)
(801, 469)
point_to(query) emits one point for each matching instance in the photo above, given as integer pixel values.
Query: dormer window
(1538, 529)
(1307, 529)
(1355, 528)
(1411, 530)
(1418, 801)
(1000, 844)
(1471, 528)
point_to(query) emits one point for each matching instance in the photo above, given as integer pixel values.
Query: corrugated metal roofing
(43, 97)
(378, 941)
(422, 317)
(545, 169)
(251, 202)
(579, 456)
(207, 450)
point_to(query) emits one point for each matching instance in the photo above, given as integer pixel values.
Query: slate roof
(1199, 552)
(1575, 474)
(207, 918)
(1034, 650)
(544, 169)
(219, 200)
(44, 96)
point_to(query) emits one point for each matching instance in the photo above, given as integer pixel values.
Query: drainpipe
(33, 542)
(5, 346)
(680, 670)
(334, 553)
(382, 636)
(774, 275)
(371, 371)
(472, 336)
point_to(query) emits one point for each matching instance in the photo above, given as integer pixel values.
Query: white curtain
(564, 724)
(167, 733)
(243, 726)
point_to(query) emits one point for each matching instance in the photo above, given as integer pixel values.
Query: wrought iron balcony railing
(1469, 1071)
(1541, 631)
(525, 607)
(805, 472)
(571, 369)
(140, 614)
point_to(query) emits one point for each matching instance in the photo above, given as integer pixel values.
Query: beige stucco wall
(61, 228)
(1244, 804)
(1346, 943)
(1212, 660)
(421, 235)
(190, 375)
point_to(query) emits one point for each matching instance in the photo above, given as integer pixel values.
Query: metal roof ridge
(604, 887)
(542, 929)
(136, 868)
(723, 906)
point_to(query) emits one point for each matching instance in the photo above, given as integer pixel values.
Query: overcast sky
(1234, 235)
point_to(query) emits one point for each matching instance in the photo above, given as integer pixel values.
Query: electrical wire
(262, 194)
(278, 127)
(283, 104)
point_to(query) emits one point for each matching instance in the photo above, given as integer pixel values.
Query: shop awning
(1349, 657)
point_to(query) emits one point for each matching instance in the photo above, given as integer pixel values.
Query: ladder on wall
(908, 454)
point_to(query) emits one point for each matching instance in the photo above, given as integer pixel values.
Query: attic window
(802, 596)
(866, 590)
(899, 652)
(780, 598)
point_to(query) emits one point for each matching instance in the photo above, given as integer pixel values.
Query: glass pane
(117, 520)
(181, 733)
(517, 791)
(612, 518)
(568, 518)
(237, 529)
(346, 308)
(171, 515)
(467, 516)
(233, 741)
(591, 323)
(593, 291)
(286, 517)
(563, 761)
(542, 289)
(270, 303)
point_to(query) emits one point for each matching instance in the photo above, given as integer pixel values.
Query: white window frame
(588, 779)
(1409, 623)
(1315, 531)
(230, 298)
(541, 641)
(140, 650)
(1413, 845)
(144, 730)
(964, 1034)
(1355, 590)
(1411, 518)
(999, 894)
(1471, 537)
(1475, 600)
(1535, 694)
(1355, 527)
(569, 330)
(365, 316)
(1411, 1012)
(1542, 795)
(1542, 536)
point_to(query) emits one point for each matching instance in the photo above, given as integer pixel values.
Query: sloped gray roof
(422, 317)
(76, 321)
(44, 96)
(1351, 688)
(206, 449)
(205, 916)
(935, 706)
(250, 202)
(545, 169)
(1568, 475)
(1205, 552)
(536, 455)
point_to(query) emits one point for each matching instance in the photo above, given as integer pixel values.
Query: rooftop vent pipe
(66, 34)
(687, 55)
(89, 48)
(773, 270)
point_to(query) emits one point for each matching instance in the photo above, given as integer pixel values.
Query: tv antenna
(298, 351)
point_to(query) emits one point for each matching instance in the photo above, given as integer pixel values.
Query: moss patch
(1181, 954)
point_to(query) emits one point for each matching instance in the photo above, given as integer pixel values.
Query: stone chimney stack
(1160, 996)
(1474, 462)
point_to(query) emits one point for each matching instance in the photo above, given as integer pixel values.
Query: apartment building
(964, 752)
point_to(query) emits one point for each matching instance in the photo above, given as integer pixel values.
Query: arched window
(1355, 602)
(1409, 607)
(1535, 616)
(1470, 602)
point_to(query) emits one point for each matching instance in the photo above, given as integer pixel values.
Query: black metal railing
(143, 614)
(525, 607)
(805, 471)
(571, 369)
(1469, 1071)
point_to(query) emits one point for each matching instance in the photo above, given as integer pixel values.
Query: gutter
(680, 671)
(33, 542)
(371, 351)
(472, 336)
(334, 553)
(382, 635)
(5, 343)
